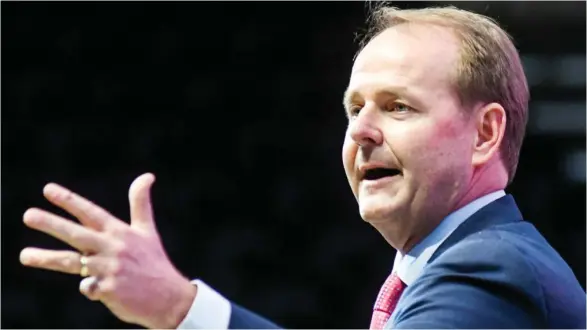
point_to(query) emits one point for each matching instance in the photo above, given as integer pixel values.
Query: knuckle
(75, 236)
(120, 248)
(64, 196)
(68, 195)
(88, 209)
(115, 267)
(67, 263)
(108, 287)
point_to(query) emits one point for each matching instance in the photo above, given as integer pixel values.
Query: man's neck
(478, 187)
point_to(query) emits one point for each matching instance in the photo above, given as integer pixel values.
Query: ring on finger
(84, 272)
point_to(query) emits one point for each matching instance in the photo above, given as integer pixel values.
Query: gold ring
(83, 272)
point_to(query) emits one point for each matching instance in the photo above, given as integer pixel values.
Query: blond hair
(489, 69)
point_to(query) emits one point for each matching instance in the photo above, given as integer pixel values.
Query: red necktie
(388, 297)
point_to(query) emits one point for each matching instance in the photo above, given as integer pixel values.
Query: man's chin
(379, 207)
(377, 212)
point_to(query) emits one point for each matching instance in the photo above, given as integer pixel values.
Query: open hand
(127, 267)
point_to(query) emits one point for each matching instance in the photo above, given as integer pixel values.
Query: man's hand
(128, 268)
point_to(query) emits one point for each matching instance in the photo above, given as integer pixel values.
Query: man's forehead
(410, 42)
(405, 61)
(408, 54)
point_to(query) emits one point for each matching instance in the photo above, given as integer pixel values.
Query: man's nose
(364, 128)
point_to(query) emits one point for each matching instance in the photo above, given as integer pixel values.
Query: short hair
(489, 68)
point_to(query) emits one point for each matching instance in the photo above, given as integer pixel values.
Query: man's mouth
(379, 173)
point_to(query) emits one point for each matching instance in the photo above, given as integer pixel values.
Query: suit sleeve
(244, 319)
(210, 310)
(476, 284)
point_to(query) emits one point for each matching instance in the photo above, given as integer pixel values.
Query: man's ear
(490, 121)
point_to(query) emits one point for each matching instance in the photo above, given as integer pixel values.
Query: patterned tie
(388, 297)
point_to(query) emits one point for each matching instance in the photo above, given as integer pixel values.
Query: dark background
(236, 107)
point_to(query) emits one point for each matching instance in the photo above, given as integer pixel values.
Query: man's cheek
(348, 160)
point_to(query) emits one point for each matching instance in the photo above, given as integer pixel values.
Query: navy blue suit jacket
(494, 271)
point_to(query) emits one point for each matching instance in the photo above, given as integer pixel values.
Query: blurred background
(236, 107)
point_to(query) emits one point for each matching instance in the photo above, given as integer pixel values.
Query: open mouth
(378, 173)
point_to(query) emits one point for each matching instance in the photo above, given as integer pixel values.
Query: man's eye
(399, 107)
(354, 111)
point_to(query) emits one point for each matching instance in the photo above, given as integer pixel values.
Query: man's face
(404, 116)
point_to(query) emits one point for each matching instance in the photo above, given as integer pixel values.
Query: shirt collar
(409, 266)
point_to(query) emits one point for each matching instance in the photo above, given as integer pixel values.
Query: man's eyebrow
(393, 91)
(347, 98)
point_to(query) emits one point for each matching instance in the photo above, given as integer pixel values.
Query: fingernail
(25, 256)
(29, 216)
(50, 190)
(88, 287)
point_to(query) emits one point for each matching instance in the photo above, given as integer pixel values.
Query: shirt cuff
(210, 310)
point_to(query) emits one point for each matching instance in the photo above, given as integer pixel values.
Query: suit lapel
(501, 211)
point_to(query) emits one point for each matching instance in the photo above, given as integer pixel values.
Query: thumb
(139, 195)
(88, 287)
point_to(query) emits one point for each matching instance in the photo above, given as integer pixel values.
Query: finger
(61, 261)
(139, 195)
(77, 236)
(89, 287)
(85, 211)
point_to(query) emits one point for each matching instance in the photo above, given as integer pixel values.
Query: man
(437, 107)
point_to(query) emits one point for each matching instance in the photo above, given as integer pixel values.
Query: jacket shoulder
(471, 284)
